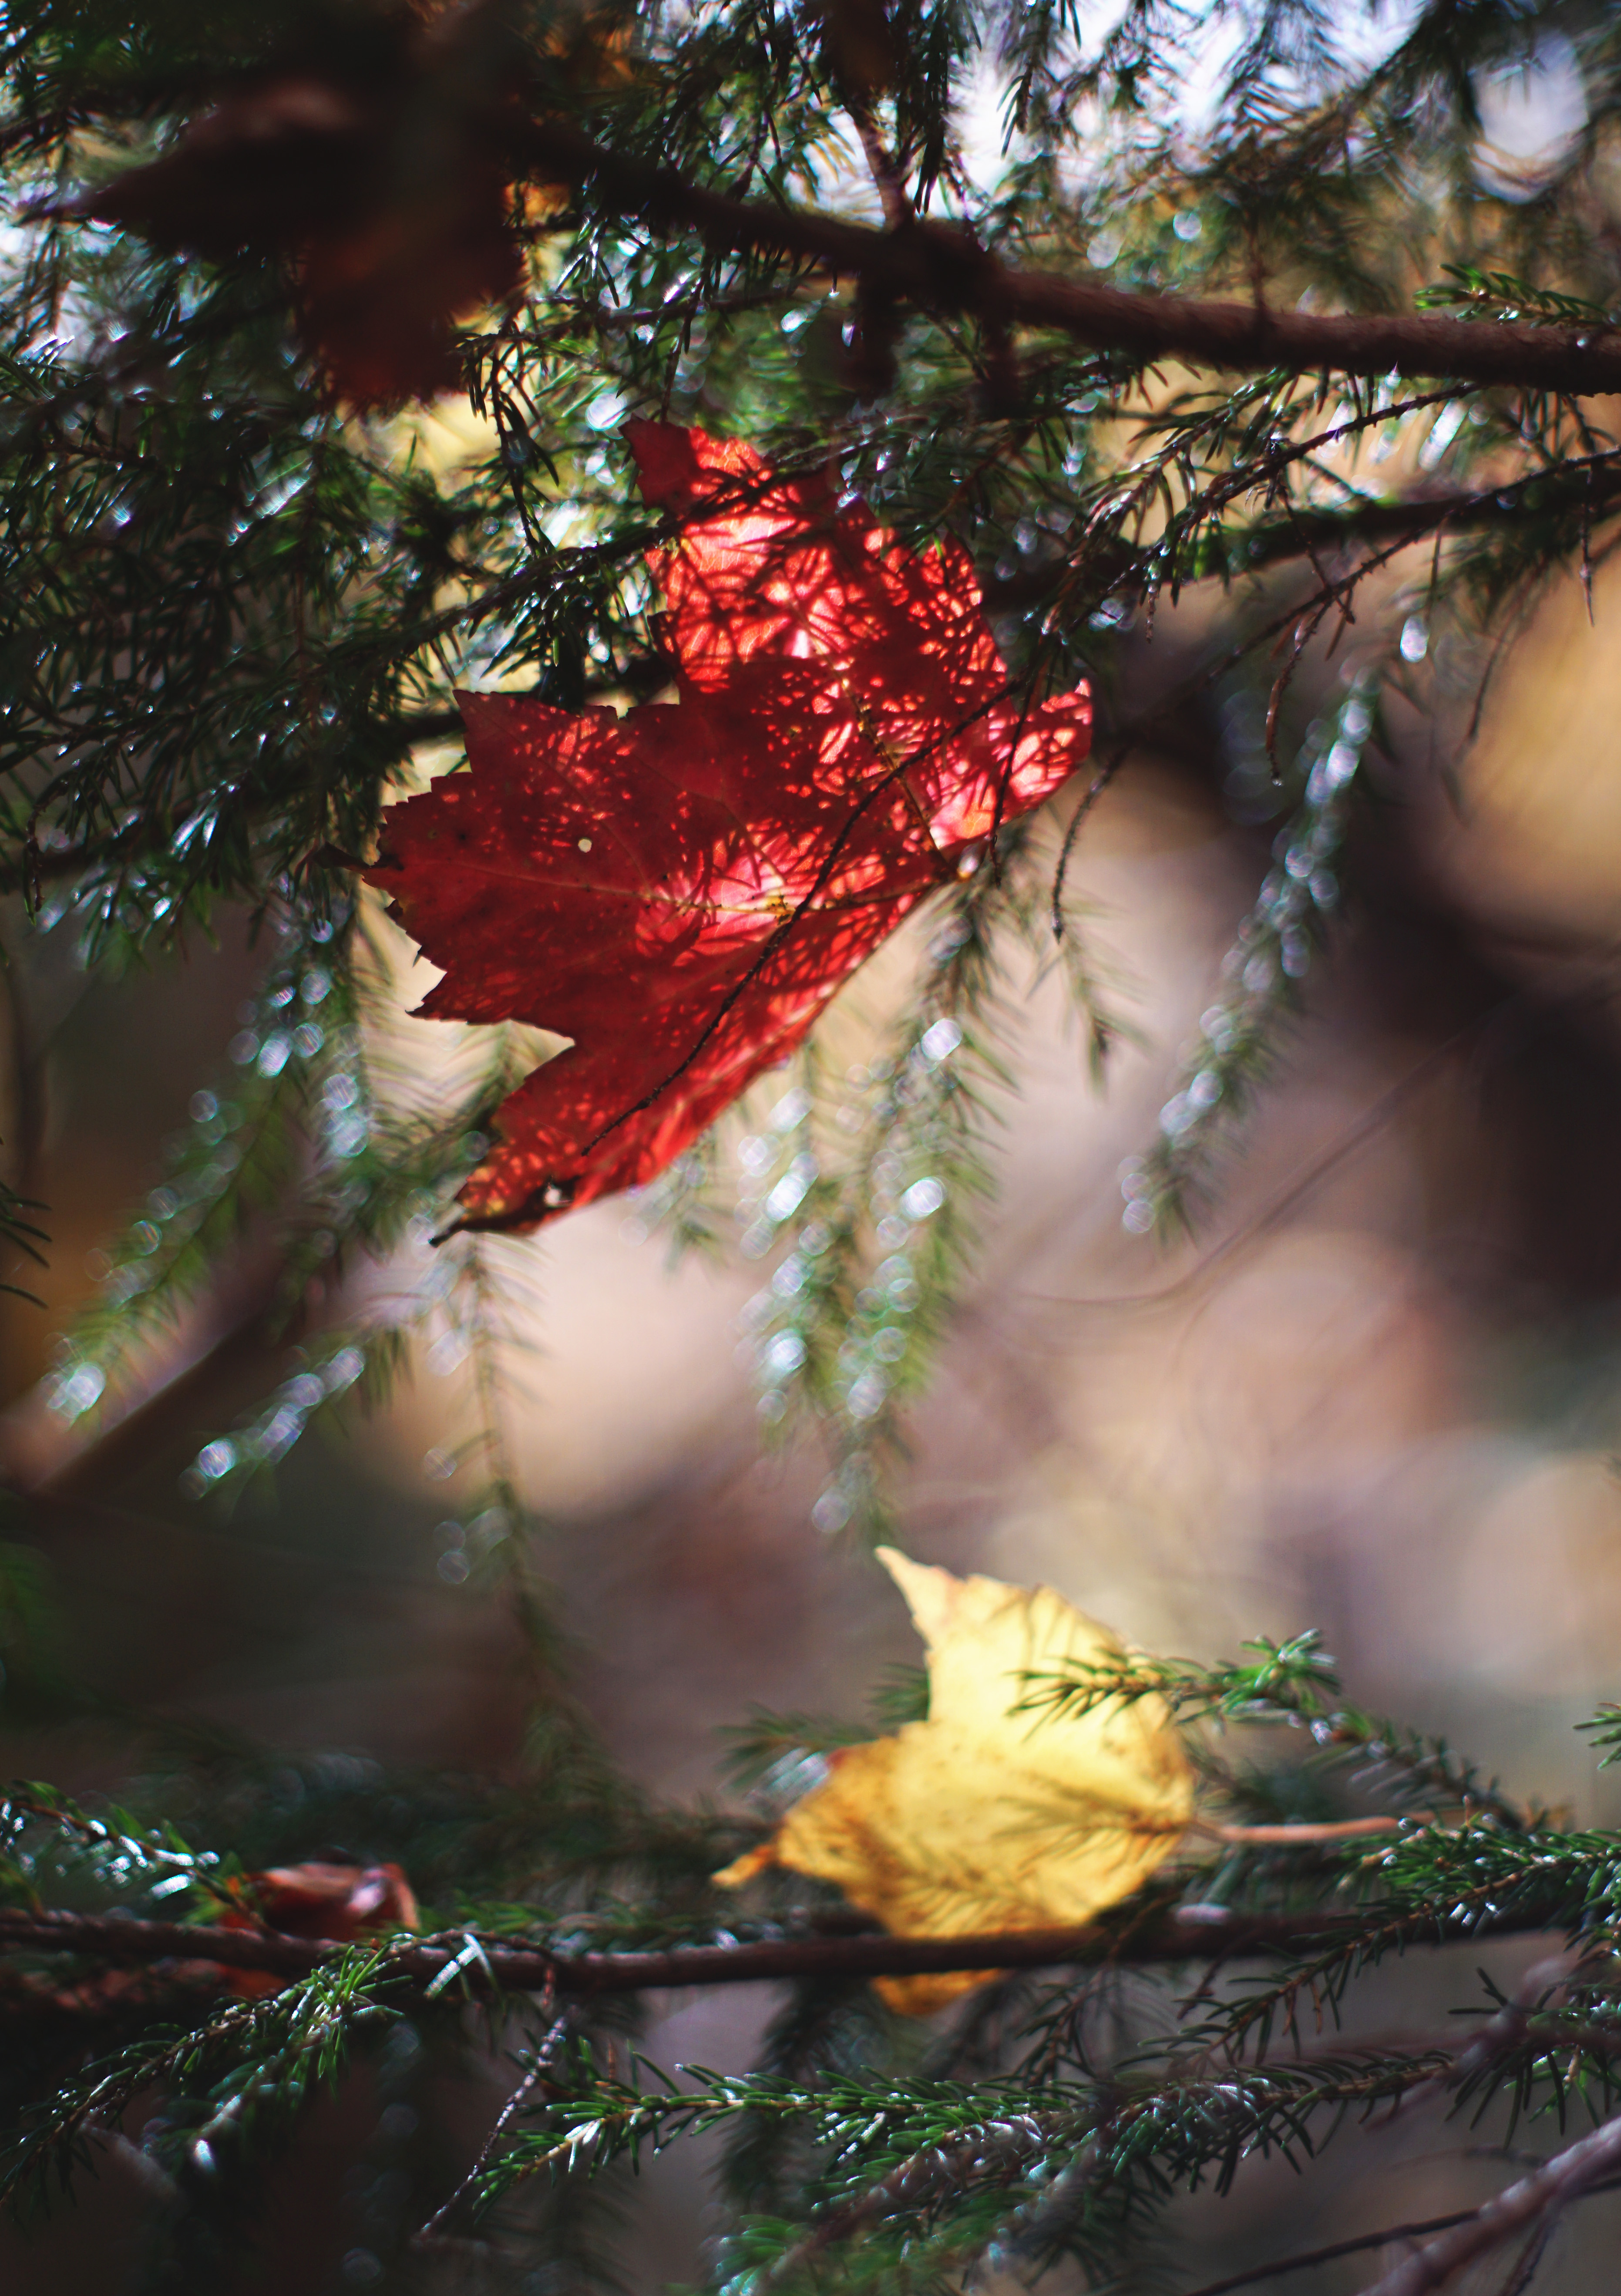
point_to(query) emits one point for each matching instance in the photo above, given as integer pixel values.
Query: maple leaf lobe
(681, 890)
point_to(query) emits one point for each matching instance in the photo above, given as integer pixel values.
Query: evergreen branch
(116, 1850)
(1605, 1728)
(848, 1324)
(287, 1126)
(1292, 1684)
(1432, 1881)
(959, 2173)
(769, 1753)
(44, 864)
(495, 1525)
(758, 1750)
(1237, 1041)
(939, 268)
(826, 2028)
(1283, 1682)
(1004, 2145)
(1586, 485)
(258, 2059)
(124, 1439)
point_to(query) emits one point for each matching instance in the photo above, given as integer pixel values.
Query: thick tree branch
(1566, 2178)
(1176, 1937)
(1306, 2259)
(939, 267)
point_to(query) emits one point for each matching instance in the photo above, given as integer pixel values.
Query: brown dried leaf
(381, 175)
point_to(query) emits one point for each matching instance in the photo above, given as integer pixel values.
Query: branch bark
(1198, 1934)
(1306, 2259)
(936, 266)
(1566, 2178)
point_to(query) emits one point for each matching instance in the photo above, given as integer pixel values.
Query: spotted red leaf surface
(681, 890)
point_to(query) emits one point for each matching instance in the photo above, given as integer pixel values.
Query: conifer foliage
(874, 375)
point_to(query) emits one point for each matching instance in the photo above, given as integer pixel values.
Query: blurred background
(1376, 1393)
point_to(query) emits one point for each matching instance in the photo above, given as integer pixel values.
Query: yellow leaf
(980, 1819)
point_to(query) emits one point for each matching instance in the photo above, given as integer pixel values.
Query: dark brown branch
(1169, 1938)
(887, 179)
(940, 267)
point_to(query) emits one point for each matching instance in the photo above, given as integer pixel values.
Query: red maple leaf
(681, 890)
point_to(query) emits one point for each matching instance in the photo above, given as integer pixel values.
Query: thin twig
(1100, 782)
(537, 2076)
(1529, 2260)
